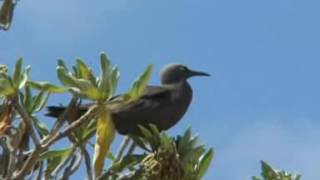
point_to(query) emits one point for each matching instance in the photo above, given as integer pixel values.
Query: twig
(27, 120)
(12, 163)
(132, 148)
(87, 162)
(61, 119)
(123, 146)
(40, 171)
(67, 171)
(77, 165)
(72, 168)
(66, 161)
(90, 114)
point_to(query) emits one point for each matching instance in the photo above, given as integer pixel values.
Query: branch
(90, 114)
(87, 162)
(66, 161)
(123, 146)
(67, 172)
(27, 120)
(40, 171)
(61, 119)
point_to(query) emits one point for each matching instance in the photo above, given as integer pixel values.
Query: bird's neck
(182, 90)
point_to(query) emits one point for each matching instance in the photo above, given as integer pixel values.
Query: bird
(163, 106)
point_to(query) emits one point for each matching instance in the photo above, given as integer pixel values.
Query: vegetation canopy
(28, 143)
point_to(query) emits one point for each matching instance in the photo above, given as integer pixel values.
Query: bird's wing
(155, 92)
(128, 115)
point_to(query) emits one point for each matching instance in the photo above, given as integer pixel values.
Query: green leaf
(24, 77)
(88, 133)
(105, 82)
(85, 72)
(81, 87)
(62, 64)
(3, 69)
(255, 178)
(140, 142)
(205, 163)
(61, 153)
(111, 156)
(27, 101)
(86, 90)
(55, 157)
(46, 86)
(166, 142)
(147, 134)
(127, 162)
(39, 101)
(20, 76)
(65, 77)
(104, 138)
(6, 87)
(268, 172)
(17, 71)
(41, 127)
(154, 129)
(140, 84)
(115, 75)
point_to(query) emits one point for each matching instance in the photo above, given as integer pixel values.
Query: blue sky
(263, 99)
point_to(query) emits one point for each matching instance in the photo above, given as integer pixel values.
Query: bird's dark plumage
(162, 106)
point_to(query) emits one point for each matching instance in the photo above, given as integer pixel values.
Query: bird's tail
(55, 111)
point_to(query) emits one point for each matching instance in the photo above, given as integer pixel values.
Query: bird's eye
(183, 68)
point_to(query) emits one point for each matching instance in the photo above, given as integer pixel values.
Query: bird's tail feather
(55, 111)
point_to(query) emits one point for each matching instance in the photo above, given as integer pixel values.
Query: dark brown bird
(162, 106)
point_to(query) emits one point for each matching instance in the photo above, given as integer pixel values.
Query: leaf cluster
(269, 173)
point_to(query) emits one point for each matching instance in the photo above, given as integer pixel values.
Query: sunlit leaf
(62, 153)
(55, 157)
(27, 100)
(46, 86)
(267, 171)
(105, 81)
(81, 87)
(40, 101)
(17, 71)
(41, 127)
(115, 75)
(24, 77)
(3, 69)
(205, 163)
(105, 135)
(66, 78)
(6, 87)
(140, 84)
(88, 133)
(85, 72)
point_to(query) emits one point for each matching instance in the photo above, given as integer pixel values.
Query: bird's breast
(180, 101)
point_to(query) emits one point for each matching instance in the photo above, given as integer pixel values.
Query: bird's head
(174, 73)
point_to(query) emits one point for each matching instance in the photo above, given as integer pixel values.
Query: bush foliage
(28, 143)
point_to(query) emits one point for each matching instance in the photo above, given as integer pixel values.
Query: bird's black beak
(197, 73)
